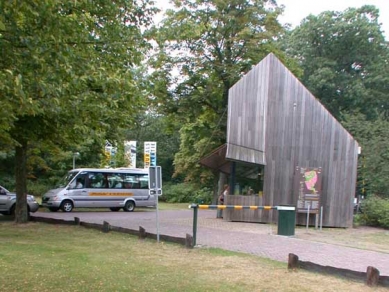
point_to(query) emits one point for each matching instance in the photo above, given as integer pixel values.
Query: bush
(8, 182)
(376, 211)
(38, 188)
(185, 193)
(359, 220)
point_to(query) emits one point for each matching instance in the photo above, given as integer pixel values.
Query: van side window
(97, 180)
(135, 181)
(115, 180)
(79, 182)
(128, 182)
(143, 181)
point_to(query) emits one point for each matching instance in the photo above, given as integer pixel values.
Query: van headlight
(31, 198)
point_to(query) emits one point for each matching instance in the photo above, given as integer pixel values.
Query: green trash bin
(286, 220)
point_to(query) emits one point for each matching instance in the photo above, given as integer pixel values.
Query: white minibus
(101, 188)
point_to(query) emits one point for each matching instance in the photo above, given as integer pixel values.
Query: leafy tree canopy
(373, 137)
(345, 60)
(66, 73)
(210, 45)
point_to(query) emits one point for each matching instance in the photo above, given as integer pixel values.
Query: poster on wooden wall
(308, 182)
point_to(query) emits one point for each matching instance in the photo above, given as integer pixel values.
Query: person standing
(221, 199)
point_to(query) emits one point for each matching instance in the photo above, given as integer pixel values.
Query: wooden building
(276, 127)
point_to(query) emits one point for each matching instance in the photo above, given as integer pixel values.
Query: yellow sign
(112, 194)
(147, 157)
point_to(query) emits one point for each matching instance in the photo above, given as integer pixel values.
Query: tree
(211, 44)
(373, 137)
(345, 60)
(66, 74)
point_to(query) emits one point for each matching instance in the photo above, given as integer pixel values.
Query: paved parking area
(257, 239)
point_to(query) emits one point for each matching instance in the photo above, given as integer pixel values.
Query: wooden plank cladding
(275, 121)
(246, 126)
(245, 215)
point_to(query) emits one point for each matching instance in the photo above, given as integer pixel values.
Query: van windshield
(67, 179)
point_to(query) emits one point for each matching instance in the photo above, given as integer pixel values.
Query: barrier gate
(286, 216)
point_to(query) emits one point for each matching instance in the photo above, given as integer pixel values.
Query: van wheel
(67, 206)
(129, 206)
(114, 209)
(53, 209)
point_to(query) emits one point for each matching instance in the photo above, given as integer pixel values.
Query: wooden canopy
(216, 160)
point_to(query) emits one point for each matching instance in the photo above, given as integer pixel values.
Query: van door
(78, 192)
(98, 191)
(139, 184)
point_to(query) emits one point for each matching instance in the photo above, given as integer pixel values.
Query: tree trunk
(21, 214)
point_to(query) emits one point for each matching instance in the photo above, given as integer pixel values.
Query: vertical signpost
(130, 153)
(150, 154)
(155, 188)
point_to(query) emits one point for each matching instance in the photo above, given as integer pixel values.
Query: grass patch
(43, 257)
(363, 237)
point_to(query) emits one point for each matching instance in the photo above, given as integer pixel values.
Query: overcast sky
(296, 10)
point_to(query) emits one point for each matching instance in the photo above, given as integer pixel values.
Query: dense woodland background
(74, 74)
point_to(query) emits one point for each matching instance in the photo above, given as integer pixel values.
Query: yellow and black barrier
(236, 207)
(286, 223)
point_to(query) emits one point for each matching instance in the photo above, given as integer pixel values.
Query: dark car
(8, 202)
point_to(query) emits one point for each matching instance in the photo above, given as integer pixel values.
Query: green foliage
(359, 220)
(186, 193)
(373, 137)
(39, 188)
(345, 60)
(7, 181)
(376, 211)
(211, 44)
(66, 74)
(192, 149)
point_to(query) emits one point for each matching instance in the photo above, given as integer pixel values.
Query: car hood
(14, 195)
(53, 192)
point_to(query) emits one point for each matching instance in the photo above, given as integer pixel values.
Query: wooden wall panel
(246, 110)
(275, 120)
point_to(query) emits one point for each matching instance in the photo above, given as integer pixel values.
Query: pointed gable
(275, 121)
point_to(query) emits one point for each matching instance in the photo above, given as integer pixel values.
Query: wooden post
(195, 211)
(142, 233)
(189, 241)
(77, 221)
(372, 276)
(316, 221)
(293, 261)
(106, 227)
